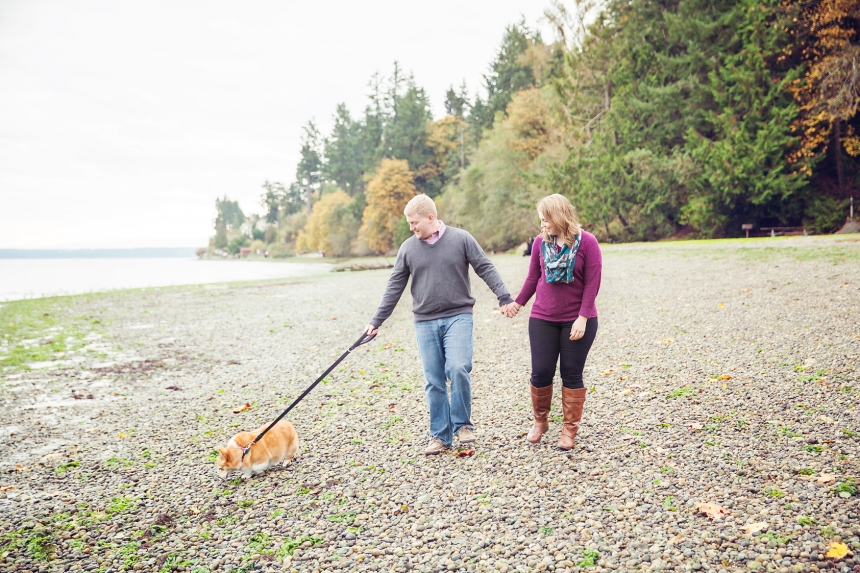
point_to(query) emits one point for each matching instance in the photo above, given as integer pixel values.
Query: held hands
(577, 331)
(370, 330)
(511, 310)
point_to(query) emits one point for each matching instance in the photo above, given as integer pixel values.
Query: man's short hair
(420, 205)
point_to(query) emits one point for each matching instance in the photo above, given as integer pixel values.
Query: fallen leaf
(627, 391)
(388, 346)
(836, 550)
(825, 479)
(173, 388)
(7, 487)
(394, 409)
(20, 468)
(623, 377)
(725, 386)
(696, 426)
(334, 318)
(93, 429)
(242, 408)
(826, 419)
(712, 510)
(667, 340)
(465, 453)
(721, 305)
(53, 456)
(725, 377)
(608, 372)
(375, 387)
(755, 527)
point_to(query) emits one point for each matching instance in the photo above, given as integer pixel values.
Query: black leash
(364, 339)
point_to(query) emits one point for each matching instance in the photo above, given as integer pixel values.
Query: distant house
(246, 229)
(244, 252)
(261, 225)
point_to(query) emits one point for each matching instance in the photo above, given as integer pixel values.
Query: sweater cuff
(588, 312)
(507, 299)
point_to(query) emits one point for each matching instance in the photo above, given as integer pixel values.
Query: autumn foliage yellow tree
(322, 225)
(829, 93)
(388, 191)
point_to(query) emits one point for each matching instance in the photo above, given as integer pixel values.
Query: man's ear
(431, 216)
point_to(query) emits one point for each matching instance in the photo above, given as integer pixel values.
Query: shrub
(281, 251)
(237, 243)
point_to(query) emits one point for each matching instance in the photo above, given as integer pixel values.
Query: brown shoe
(466, 435)
(434, 447)
(572, 401)
(541, 403)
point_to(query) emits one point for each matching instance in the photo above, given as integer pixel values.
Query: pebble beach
(721, 430)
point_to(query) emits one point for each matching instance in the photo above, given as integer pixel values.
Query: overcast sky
(120, 122)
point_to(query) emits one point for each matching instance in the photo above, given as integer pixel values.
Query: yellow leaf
(836, 550)
(712, 510)
(121, 435)
(608, 372)
(725, 377)
(721, 305)
(755, 527)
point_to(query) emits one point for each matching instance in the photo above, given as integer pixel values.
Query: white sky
(120, 122)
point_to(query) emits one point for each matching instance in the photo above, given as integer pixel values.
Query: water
(35, 278)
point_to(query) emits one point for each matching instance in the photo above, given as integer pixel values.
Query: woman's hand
(511, 310)
(577, 331)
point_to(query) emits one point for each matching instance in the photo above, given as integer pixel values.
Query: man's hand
(511, 310)
(370, 330)
(577, 331)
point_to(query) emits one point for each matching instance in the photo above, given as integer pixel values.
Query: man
(438, 258)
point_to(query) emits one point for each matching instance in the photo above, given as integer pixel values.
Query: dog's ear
(222, 451)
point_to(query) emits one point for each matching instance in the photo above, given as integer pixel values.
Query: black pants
(550, 341)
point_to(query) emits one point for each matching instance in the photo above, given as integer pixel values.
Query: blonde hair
(420, 205)
(560, 212)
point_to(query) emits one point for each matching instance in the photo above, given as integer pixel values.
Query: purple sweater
(564, 302)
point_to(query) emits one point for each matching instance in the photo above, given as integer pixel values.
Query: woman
(565, 273)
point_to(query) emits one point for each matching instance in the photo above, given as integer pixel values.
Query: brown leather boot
(572, 401)
(541, 403)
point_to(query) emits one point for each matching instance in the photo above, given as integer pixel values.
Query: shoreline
(695, 381)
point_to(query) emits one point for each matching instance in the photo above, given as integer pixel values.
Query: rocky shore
(723, 373)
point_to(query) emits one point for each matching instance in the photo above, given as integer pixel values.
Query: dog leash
(363, 339)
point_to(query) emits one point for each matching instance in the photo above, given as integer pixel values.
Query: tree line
(657, 119)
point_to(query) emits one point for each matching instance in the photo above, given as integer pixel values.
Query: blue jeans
(445, 346)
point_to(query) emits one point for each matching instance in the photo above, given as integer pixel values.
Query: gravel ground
(723, 372)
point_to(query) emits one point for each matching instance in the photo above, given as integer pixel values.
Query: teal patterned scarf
(559, 265)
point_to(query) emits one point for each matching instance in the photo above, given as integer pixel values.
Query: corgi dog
(279, 444)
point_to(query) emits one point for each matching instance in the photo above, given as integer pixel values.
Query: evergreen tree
(309, 168)
(229, 212)
(509, 72)
(743, 151)
(272, 200)
(344, 153)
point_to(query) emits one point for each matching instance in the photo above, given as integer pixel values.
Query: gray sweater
(440, 277)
